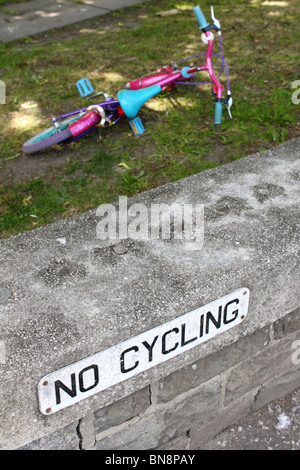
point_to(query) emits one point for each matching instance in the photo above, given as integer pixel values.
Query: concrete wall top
(65, 294)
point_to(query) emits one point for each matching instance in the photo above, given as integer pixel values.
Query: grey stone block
(278, 388)
(237, 409)
(194, 374)
(64, 439)
(287, 324)
(179, 443)
(122, 410)
(86, 432)
(165, 423)
(275, 361)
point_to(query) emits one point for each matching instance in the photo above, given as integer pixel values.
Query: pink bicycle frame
(182, 74)
(166, 78)
(208, 67)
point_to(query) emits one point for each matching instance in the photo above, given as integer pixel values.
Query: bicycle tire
(53, 136)
(31, 146)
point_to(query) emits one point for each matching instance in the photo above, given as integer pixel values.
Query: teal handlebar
(218, 112)
(200, 17)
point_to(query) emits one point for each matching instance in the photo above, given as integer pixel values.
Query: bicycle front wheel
(51, 136)
(46, 139)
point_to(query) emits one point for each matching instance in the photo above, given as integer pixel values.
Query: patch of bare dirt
(26, 167)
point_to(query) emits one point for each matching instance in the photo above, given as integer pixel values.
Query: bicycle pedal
(85, 87)
(137, 126)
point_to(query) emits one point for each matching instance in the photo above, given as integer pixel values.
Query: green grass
(10, 2)
(40, 72)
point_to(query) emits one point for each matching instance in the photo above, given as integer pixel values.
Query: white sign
(93, 374)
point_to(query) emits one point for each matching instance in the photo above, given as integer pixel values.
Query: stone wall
(186, 408)
(66, 295)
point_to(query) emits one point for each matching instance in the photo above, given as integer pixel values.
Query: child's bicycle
(72, 126)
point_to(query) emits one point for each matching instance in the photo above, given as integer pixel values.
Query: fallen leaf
(26, 200)
(15, 156)
(124, 165)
